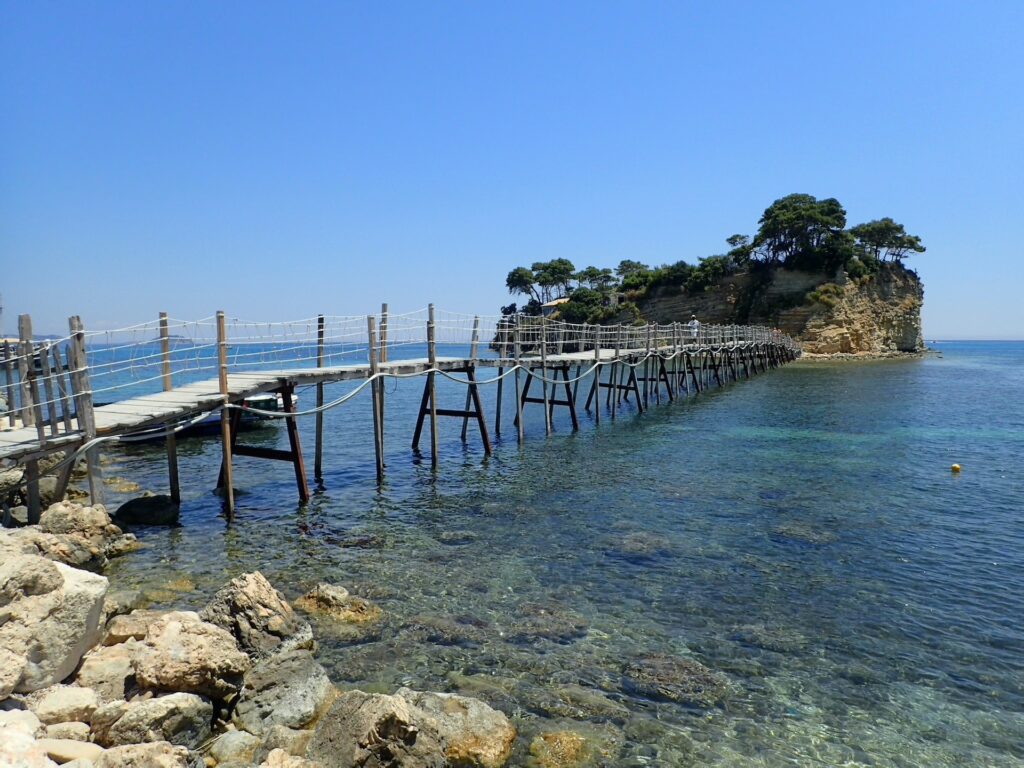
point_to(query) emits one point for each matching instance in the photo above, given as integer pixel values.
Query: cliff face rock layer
(827, 313)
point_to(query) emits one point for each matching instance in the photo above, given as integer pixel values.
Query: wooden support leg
(635, 386)
(497, 407)
(377, 398)
(296, 446)
(172, 467)
(318, 447)
(522, 397)
(234, 419)
(570, 396)
(32, 482)
(474, 391)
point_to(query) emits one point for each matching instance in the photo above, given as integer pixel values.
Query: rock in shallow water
(288, 689)
(675, 679)
(413, 729)
(258, 617)
(148, 509)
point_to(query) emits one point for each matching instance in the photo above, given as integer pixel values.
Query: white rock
(21, 720)
(65, 750)
(19, 750)
(74, 730)
(62, 703)
(52, 616)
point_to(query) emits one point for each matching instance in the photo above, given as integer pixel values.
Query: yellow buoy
(955, 468)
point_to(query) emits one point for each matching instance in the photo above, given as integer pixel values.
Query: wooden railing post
(12, 406)
(544, 372)
(383, 357)
(502, 340)
(597, 374)
(171, 439)
(84, 406)
(31, 413)
(318, 449)
(432, 384)
(227, 472)
(378, 444)
(517, 351)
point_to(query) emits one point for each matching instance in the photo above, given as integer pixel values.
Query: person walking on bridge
(694, 326)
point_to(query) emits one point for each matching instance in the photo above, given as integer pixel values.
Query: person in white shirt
(694, 325)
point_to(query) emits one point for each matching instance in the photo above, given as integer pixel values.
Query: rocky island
(837, 290)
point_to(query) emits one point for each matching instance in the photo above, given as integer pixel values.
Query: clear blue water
(800, 534)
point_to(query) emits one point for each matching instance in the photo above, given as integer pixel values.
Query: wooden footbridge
(153, 380)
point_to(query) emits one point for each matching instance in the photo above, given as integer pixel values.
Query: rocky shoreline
(90, 679)
(813, 357)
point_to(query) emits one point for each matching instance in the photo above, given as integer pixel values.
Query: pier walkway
(73, 394)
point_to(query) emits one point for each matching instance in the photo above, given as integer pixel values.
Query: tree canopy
(797, 231)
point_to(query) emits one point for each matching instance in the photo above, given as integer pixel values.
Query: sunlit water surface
(801, 534)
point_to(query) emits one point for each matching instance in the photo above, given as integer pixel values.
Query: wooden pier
(52, 389)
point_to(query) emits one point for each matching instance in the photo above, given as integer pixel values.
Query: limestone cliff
(874, 314)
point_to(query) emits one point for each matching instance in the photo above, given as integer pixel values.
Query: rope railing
(45, 380)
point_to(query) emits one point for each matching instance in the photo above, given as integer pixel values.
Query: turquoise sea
(801, 535)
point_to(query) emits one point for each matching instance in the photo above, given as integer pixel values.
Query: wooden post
(65, 407)
(474, 350)
(46, 364)
(225, 420)
(318, 447)
(378, 443)
(9, 389)
(432, 384)
(83, 406)
(519, 399)
(544, 372)
(171, 439)
(502, 354)
(596, 391)
(383, 357)
(31, 414)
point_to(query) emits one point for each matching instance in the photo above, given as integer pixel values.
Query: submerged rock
(558, 749)
(548, 621)
(148, 509)
(671, 678)
(777, 639)
(193, 656)
(337, 603)
(409, 728)
(51, 617)
(258, 617)
(288, 689)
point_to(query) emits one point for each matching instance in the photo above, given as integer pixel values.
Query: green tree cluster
(798, 231)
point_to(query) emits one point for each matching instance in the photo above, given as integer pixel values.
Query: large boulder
(51, 617)
(287, 689)
(11, 668)
(192, 656)
(412, 729)
(71, 533)
(158, 754)
(109, 672)
(148, 509)
(257, 616)
(62, 703)
(135, 625)
(179, 718)
(278, 758)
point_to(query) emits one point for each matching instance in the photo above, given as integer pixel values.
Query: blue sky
(280, 160)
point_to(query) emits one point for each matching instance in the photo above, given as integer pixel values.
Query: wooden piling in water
(516, 343)
(318, 445)
(378, 441)
(227, 471)
(170, 439)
